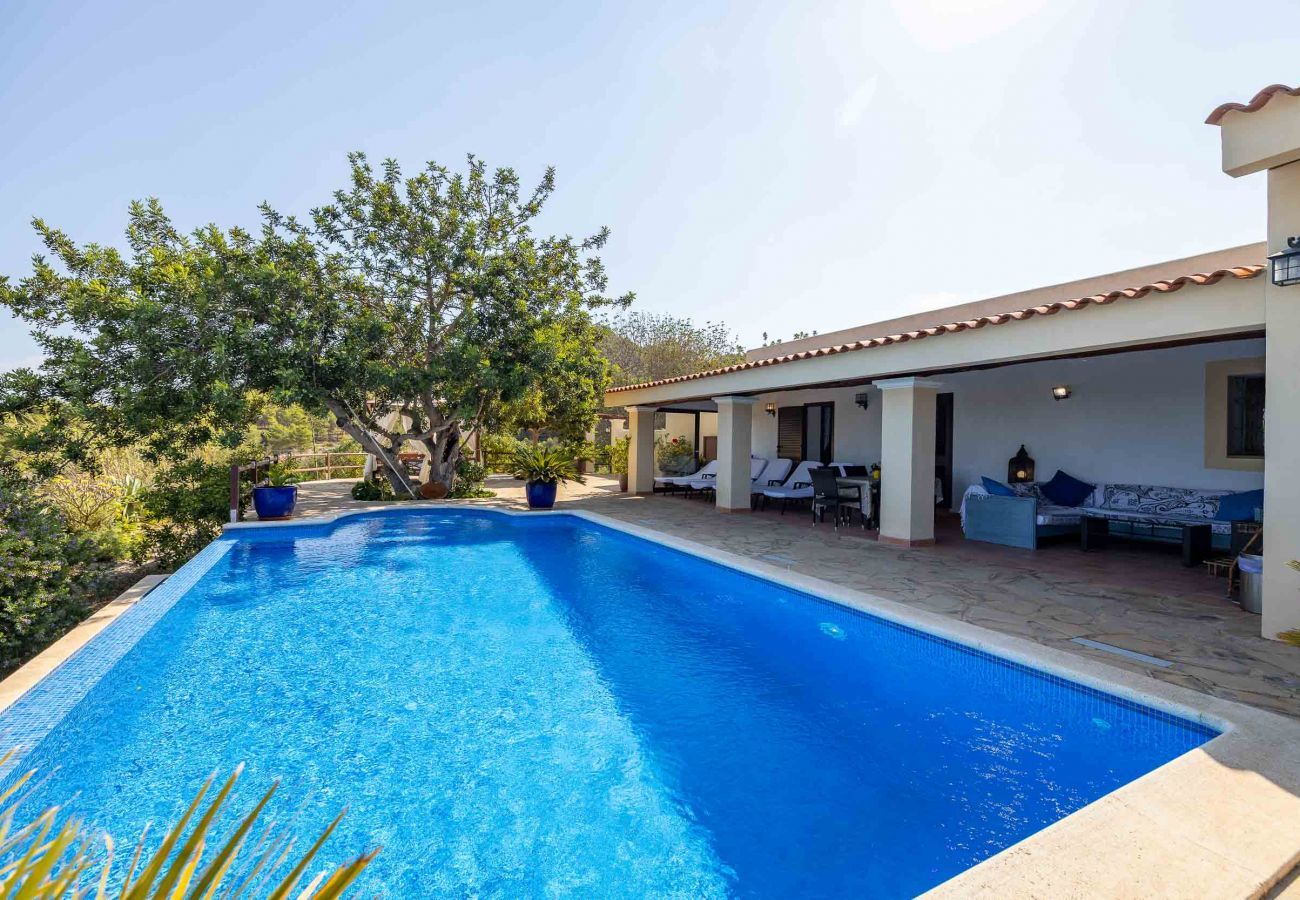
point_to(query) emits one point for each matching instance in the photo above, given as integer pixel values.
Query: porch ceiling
(1226, 303)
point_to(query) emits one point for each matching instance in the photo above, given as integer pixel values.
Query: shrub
(675, 456)
(469, 481)
(46, 572)
(185, 509)
(618, 455)
(378, 489)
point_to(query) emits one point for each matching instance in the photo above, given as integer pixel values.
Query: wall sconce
(863, 399)
(1286, 263)
(770, 409)
(1061, 392)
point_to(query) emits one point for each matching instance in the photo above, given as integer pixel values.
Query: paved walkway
(1138, 598)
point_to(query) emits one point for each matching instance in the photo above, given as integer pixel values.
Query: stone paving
(1139, 598)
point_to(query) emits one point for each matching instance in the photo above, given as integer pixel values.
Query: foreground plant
(51, 858)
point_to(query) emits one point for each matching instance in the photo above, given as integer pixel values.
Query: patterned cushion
(1162, 502)
(1029, 489)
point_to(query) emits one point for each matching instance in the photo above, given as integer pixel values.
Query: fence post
(234, 492)
(329, 473)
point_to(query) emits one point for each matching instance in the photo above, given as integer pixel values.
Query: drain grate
(1120, 651)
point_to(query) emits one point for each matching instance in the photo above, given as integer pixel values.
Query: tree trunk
(444, 453)
(394, 471)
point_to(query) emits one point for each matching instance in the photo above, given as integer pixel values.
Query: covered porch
(1149, 393)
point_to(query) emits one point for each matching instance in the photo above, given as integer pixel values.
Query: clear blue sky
(776, 166)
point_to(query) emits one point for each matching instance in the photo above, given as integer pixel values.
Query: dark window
(1246, 415)
(789, 433)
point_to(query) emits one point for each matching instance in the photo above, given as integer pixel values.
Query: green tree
(404, 308)
(428, 300)
(648, 347)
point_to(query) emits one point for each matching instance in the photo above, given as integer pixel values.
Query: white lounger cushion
(709, 468)
(788, 491)
(756, 467)
(777, 470)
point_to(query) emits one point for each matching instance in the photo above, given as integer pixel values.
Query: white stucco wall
(1134, 417)
(1137, 418)
(857, 431)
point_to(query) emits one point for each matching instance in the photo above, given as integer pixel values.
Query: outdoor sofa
(1143, 512)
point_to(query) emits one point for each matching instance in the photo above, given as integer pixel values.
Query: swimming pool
(533, 705)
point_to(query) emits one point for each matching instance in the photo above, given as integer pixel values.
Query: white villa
(1150, 378)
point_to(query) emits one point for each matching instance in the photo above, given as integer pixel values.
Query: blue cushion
(1066, 490)
(997, 488)
(1240, 507)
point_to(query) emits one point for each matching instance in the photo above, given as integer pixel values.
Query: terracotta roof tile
(1256, 103)
(1019, 315)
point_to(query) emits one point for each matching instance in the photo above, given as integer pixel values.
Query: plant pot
(275, 502)
(622, 481)
(541, 494)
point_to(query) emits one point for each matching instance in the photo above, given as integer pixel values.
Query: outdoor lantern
(770, 409)
(1061, 392)
(1020, 470)
(863, 399)
(1286, 263)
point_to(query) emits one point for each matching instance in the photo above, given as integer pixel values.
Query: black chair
(827, 494)
(855, 471)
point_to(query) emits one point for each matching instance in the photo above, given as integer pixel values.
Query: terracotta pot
(433, 490)
(622, 481)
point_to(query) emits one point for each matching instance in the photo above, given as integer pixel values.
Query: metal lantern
(1286, 263)
(1020, 469)
(770, 409)
(863, 399)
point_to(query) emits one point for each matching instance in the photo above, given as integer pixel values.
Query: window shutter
(789, 433)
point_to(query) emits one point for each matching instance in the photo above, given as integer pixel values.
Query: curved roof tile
(1256, 103)
(1019, 315)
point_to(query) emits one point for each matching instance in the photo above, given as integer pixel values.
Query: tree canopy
(408, 307)
(647, 347)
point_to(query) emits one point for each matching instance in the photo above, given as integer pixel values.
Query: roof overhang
(1214, 306)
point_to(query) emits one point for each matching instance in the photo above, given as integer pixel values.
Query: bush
(46, 572)
(675, 456)
(378, 489)
(185, 509)
(618, 455)
(469, 481)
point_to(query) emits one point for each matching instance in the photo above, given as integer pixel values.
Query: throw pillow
(1240, 507)
(1066, 490)
(997, 488)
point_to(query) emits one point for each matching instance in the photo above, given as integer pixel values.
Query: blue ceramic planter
(541, 494)
(275, 502)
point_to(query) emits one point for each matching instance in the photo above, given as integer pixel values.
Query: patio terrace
(1139, 598)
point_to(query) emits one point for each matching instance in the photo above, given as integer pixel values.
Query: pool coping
(1220, 821)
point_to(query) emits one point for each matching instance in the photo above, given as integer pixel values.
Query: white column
(641, 449)
(1282, 416)
(907, 460)
(735, 440)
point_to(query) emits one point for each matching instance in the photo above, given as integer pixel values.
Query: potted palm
(276, 495)
(542, 469)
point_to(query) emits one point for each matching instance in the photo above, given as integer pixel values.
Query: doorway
(943, 447)
(819, 432)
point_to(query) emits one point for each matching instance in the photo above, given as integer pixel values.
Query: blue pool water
(527, 707)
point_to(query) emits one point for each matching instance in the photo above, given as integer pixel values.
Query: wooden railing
(329, 462)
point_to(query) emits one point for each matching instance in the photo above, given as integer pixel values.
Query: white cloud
(939, 25)
(852, 109)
